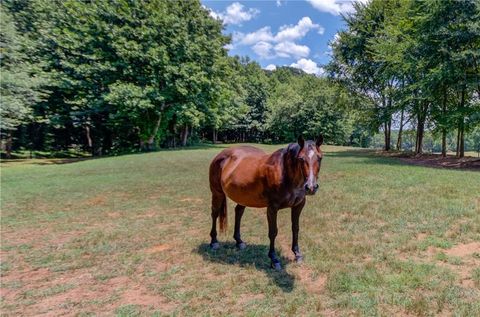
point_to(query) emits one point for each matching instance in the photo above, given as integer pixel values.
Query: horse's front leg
(296, 211)
(272, 234)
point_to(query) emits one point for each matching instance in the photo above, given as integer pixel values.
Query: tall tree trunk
(444, 142)
(184, 135)
(444, 129)
(214, 136)
(461, 128)
(462, 141)
(420, 131)
(389, 122)
(421, 117)
(89, 138)
(400, 131)
(387, 128)
(457, 151)
(151, 139)
(8, 145)
(389, 135)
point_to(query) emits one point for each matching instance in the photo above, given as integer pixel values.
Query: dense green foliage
(106, 77)
(19, 88)
(414, 62)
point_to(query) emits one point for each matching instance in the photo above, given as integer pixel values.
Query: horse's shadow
(255, 255)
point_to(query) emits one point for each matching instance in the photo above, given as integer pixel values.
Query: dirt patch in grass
(98, 200)
(307, 277)
(191, 200)
(139, 295)
(244, 299)
(461, 259)
(157, 248)
(76, 291)
(469, 258)
(463, 250)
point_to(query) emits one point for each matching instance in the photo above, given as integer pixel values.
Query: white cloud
(263, 49)
(335, 7)
(298, 31)
(235, 14)
(279, 3)
(308, 66)
(263, 34)
(270, 67)
(268, 45)
(288, 49)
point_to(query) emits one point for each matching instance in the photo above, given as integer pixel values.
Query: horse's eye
(301, 159)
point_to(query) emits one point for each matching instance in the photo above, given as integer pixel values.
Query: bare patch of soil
(421, 236)
(244, 299)
(192, 200)
(463, 250)
(148, 214)
(157, 248)
(99, 200)
(313, 284)
(82, 291)
(465, 264)
(139, 295)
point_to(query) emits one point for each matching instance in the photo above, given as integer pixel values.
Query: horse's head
(309, 159)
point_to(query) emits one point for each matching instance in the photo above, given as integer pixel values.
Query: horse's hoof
(276, 265)
(299, 258)
(241, 245)
(214, 245)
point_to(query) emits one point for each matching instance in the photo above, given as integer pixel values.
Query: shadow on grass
(395, 158)
(253, 255)
(45, 161)
(51, 159)
(356, 153)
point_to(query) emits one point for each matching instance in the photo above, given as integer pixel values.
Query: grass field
(128, 236)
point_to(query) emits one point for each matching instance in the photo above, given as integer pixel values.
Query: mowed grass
(129, 236)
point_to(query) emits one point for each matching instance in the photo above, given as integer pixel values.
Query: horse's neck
(291, 175)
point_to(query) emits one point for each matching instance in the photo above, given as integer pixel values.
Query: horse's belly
(248, 194)
(247, 199)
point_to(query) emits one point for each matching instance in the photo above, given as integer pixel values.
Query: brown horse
(252, 178)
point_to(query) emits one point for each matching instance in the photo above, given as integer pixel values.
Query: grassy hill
(129, 236)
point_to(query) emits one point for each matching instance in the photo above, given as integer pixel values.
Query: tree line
(414, 63)
(109, 77)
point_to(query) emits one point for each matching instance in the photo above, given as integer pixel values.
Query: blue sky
(293, 33)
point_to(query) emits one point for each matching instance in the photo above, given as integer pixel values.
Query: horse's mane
(294, 148)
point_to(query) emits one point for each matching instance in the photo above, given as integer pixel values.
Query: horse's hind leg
(218, 201)
(239, 209)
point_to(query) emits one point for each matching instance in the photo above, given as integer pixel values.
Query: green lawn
(129, 236)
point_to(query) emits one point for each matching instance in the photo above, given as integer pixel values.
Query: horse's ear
(301, 141)
(319, 140)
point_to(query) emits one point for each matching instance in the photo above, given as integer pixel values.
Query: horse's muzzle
(311, 191)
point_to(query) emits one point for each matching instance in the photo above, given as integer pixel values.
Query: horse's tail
(223, 215)
(219, 199)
